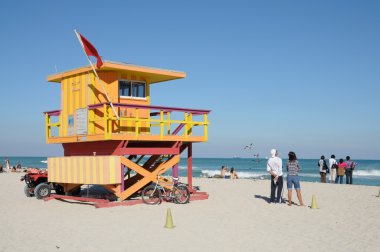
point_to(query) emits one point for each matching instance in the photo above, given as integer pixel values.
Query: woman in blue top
(293, 168)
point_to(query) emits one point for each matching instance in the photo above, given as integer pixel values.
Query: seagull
(249, 146)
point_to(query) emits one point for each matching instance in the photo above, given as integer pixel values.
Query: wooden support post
(168, 125)
(162, 124)
(47, 123)
(175, 172)
(190, 166)
(137, 123)
(105, 117)
(205, 126)
(91, 121)
(186, 126)
(60, 127)
(190, 129)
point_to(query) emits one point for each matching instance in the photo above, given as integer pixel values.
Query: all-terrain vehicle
(37, 184)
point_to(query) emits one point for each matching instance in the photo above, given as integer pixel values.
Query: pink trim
(53, 112)
(151, 151)
(175, 132)
(198, 197)
(115, 204)
(65, 197)
(165, 109)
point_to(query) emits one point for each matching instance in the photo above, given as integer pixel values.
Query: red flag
(91, 50)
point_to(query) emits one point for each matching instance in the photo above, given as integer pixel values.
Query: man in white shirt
(332, 163)
(274, 167)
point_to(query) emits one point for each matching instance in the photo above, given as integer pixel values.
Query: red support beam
(190, 166)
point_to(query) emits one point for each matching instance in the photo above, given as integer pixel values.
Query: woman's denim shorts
(292, 179)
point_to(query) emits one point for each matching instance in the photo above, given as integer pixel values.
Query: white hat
(273, 152)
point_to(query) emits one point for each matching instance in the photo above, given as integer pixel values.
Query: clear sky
(292, 75)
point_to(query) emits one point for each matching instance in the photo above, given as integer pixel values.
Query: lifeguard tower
(112, 136)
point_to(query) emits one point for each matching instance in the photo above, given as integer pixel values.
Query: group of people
(224, 173)
(336, 169)
(274, 168)
(8, 167)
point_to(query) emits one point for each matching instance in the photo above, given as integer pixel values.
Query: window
(132, 88)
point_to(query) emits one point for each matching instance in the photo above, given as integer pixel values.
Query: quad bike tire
(42, 190)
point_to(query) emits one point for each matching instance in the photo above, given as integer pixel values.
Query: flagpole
(97, 76)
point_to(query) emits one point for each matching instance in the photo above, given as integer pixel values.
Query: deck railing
(136, 120)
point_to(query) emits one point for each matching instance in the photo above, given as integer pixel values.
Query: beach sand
(236, 217)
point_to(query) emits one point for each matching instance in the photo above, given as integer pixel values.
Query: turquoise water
(366, 173)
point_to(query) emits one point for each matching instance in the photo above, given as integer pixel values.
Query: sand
(236, 217)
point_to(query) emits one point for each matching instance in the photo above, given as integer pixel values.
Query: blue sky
(292, 75)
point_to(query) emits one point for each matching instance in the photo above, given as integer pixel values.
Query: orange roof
(153, 74)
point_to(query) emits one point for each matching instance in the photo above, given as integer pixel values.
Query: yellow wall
(99, 170)
(81, 90)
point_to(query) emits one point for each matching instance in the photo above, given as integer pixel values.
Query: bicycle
(154, 193)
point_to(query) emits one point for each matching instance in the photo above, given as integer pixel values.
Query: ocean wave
(241, 174)
(258, 174)
(184, 167)
(367, 173)
(44, 161)
(311, 175)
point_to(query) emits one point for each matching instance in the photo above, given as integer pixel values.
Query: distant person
(223, 171)
(333, 165)
(322, 169)
(340, 171)
(233, 173)
(226, 172)
(349, 170)
(293, 168)
(1, 167)
(7, 164)
(274, 167)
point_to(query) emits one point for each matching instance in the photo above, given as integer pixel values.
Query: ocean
(367, 172)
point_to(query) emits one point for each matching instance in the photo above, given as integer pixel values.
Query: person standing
(293, 168)
(322, 169)
(349, 170)
(7, 164)
(274, 168)
(332, 165)
(340, 171)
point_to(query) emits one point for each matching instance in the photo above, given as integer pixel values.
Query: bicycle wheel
(181, 194)
(151, 195)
